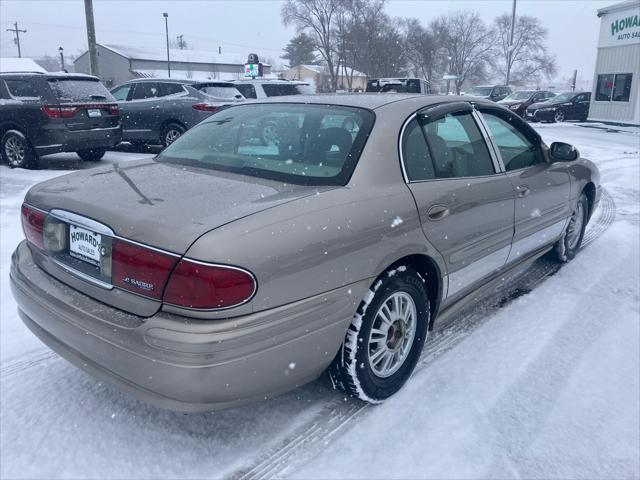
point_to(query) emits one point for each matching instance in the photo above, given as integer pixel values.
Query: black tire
(352, 368)
(568, 246)
(16, 151)
(559, 117)
(170, 133)
(91, 154)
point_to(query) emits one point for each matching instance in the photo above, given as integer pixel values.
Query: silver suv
(272, 88)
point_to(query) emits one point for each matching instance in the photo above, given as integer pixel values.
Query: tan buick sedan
(232, 268)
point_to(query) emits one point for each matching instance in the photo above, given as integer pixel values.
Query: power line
(153, 34)
(17, 33)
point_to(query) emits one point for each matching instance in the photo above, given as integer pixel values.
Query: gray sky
(242, 26)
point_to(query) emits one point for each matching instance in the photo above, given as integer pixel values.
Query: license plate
(84, 245)
(94, 112)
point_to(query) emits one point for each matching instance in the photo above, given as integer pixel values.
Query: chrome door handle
(523, 190)
(437, 212)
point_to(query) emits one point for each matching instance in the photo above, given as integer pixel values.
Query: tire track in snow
(13, 367)
(311, 438)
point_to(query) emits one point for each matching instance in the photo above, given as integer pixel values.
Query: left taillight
(59, 111)
(139, 269)
(33, 225)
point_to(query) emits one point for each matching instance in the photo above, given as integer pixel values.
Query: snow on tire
(385, 338)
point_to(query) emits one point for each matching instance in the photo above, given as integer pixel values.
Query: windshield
(522, 95)
(219, 91)
(562, 98)
(79, 90)
(295, 143)
(480, 91)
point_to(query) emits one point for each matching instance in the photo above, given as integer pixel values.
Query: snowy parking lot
(540, 381)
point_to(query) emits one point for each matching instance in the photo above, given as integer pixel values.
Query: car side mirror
(563, 152)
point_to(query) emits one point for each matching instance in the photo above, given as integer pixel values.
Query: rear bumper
(179, 363)
(58, 138)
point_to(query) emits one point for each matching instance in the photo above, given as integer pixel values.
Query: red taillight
(33, 225)
(59, 111)
(114, 110)
(200, 285)
(206, 107)
(140, 270)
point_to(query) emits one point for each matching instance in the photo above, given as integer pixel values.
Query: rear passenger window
(246, 89)
(516, 150)
(171, 89)
(22, 89)
(415, 154)
(146, 90)
(457, 147)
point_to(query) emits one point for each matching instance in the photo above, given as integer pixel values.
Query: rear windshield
(219, 90)
(79, 90)
(480, 91)
(280, 89)
(295, 143)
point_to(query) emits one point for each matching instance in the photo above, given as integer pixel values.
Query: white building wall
(618, 52)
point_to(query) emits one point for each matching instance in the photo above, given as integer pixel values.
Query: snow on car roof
(15, 65)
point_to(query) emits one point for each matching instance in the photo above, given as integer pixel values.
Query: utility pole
(91, 37)
(17, 33)
(510, 51)
(573, 81)
(166, 26)
(61, 51)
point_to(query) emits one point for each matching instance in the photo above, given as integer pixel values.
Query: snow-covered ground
(545, 385)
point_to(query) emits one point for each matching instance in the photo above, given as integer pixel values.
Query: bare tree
(529, 60)
(317, 18)
(422, 51)
(468, 43)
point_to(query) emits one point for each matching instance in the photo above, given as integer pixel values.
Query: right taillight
(33, 225)
(208, 286)
(206, 107)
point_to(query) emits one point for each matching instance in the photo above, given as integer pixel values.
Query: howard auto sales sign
(621, 27)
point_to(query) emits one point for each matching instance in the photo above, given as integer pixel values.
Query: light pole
(61, 51)
(510, 50)
(166, 27)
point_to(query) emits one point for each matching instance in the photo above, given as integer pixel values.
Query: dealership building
(615, 96)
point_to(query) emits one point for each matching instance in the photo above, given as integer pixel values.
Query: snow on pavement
(545, 387)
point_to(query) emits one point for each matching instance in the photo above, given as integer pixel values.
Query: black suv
(43, 113)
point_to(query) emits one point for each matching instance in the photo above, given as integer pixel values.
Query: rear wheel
(171, 133)
(16, 150)
(567, 247)
(385, 339)
(91, 154)
(559, 116)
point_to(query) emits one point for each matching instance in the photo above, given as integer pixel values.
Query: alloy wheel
(392, 334)
(15, 150)
(559, 116)
(574, 229)
(171, 136)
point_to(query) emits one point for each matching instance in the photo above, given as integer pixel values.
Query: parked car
(157, 111)
(490, 92)
(44, 113)
(566, 106)
(263, 88)
(224, 270)
(397, 85)
(519, 101)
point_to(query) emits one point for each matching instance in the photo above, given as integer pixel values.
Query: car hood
(163, 205)
(511, 102)
(535, 106)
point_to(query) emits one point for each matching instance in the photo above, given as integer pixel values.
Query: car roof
(50, 75)
(369, 101)
(269, 80)
(179, 81)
